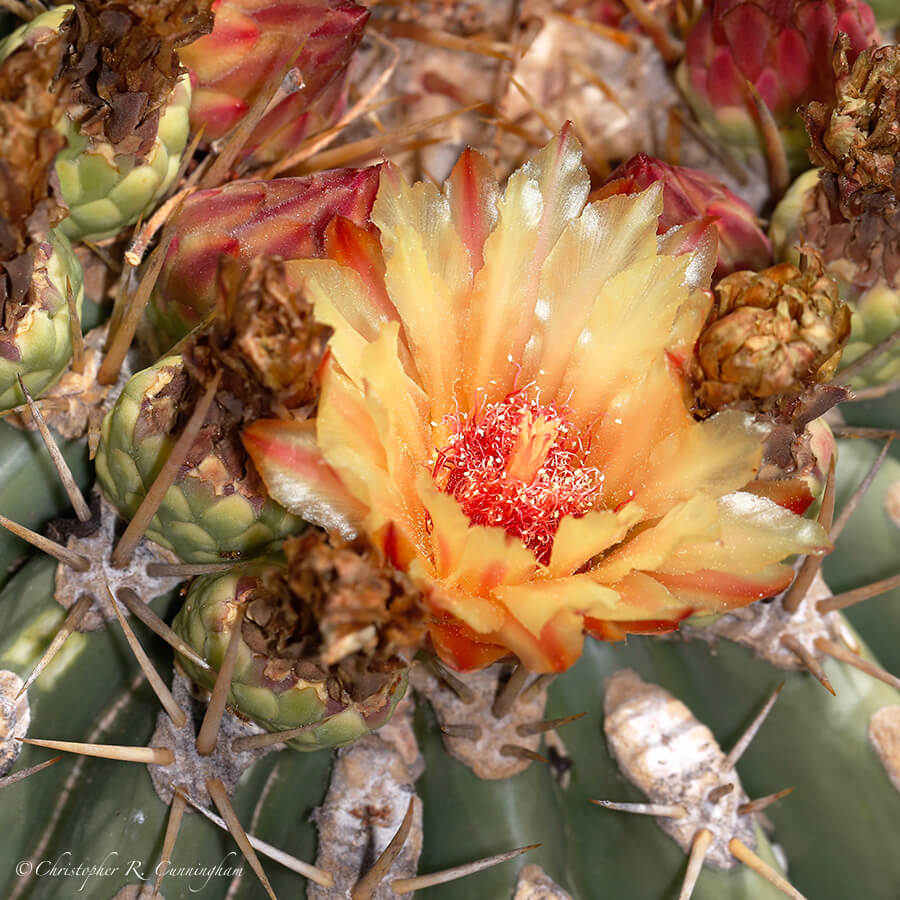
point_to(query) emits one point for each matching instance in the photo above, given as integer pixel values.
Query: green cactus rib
(868, 548)
(812, 741)
(30, 487)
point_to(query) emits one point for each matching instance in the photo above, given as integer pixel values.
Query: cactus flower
(691, 196)
(783, 48)
(251, 40)
(505, 411)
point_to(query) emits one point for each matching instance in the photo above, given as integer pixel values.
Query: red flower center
(517, 464)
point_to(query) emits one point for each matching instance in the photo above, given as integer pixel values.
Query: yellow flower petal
(540, 199)
(685, 525)
(755, 532)
(578, 540)
(473, 557)
(608, 237)
(296, 475)
(536, 603)
(428, 277)
(627, 331)
(716, 456)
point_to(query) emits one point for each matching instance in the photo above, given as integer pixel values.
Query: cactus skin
(113, 806)
(194, 521)
(204, 622)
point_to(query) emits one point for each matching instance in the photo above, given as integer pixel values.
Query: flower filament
(517, 464)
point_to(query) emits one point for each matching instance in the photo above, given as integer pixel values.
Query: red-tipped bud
(253, 40)
(689, 196)
(781, 47)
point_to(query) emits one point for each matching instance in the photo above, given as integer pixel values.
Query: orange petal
(354, 247)
(297, 476)
(428, 275)
(628, 329)
(687, 524)
(534, 604)
(716, 456)
(473, 194)
(708, 591)
(481, 614)
(790, 493)
(473, 558)
(459, 648)
(607, 238)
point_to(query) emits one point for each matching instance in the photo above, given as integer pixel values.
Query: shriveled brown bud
(265, 341)
(769, 334)
(368, 614)
(858, 136)
(122, 64)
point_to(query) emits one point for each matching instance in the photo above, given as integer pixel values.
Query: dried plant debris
(399, 734)
(265, 341)
(190, 769)
(371, 788)
(15, 717)
(763, 625)
(472, 732)
(535, 884)
(103, 576)
(675, 760)
(770, 334)
(884, 733)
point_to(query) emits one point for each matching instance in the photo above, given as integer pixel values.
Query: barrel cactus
(541, 538)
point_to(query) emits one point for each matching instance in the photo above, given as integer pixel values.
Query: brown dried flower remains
(122, 63)
(337, 611)
(30, 204)
(770, 334)
(268, 348)
(265, 341)
(858, 137)
(852, 218)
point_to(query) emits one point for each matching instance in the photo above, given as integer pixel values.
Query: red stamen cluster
(516, 464)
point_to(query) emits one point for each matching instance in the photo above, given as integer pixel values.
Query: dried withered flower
(121, 61)
(37, 266)
(325, 640)
(267, 349)
(770, 334)
(858, 136)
